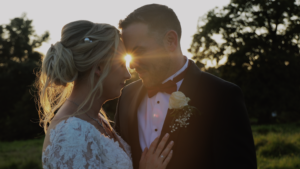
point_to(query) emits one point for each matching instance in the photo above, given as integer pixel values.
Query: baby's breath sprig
(181, 117)
(181, 111)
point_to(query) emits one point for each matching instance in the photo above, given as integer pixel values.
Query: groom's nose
(133, 63)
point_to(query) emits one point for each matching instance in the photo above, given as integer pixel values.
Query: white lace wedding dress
(76, 143)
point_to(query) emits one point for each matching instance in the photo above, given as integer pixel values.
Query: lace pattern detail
(75, 143)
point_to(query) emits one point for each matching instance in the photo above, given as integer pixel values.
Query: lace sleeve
(71, 146)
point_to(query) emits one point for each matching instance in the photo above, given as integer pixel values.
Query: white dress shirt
(152, 113)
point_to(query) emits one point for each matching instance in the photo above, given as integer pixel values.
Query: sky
(53, 15)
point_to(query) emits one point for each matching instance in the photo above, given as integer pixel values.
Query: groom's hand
(157, 157)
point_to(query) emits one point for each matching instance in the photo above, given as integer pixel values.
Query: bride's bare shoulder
(61, 115)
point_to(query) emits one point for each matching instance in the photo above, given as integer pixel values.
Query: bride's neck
(80, 93)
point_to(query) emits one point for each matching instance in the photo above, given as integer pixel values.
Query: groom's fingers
(161, 145)
(153, 146)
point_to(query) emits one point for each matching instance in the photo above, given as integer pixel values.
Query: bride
(78, 75)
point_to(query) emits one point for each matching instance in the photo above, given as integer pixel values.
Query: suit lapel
(167, 129)
(189, 84)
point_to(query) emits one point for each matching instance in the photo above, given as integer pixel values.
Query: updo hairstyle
(83, 46)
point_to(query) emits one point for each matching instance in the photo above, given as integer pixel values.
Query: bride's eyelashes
(123, 64)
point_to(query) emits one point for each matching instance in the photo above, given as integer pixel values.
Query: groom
(218, 137)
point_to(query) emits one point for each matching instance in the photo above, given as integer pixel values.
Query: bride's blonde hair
(83, 45)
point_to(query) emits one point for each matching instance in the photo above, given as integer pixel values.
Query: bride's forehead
(121, 51)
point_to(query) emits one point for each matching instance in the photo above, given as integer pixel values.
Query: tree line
(18, 62)
(261, 41)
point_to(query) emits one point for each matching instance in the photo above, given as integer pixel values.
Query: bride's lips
(122, 85)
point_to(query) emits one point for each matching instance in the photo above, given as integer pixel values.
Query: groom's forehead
(134, 35)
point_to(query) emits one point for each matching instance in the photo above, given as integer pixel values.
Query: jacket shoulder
(217, 89)
(216, 82)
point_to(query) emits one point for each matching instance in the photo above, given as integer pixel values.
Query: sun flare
(128, 59)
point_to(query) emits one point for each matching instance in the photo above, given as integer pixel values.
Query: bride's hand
(157, 158)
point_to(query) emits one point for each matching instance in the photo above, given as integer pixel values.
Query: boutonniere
(180, 110)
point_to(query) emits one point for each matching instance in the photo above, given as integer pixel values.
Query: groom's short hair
(159, 18)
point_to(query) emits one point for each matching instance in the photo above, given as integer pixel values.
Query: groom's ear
(171, 40)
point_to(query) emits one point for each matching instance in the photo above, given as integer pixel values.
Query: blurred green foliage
(277, 146)
(18, 60)
(21, 154)
(261, 39)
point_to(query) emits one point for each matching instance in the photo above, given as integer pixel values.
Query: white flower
(178, 100)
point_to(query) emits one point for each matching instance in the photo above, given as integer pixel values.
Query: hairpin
(87, 40)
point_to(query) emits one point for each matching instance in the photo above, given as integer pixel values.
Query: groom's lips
(141, 73)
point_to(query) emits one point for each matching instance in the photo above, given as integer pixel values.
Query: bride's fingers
(143, 160)
(153, 145)
(166, 151)
(167, 160)
(144, 153)
(161, 145)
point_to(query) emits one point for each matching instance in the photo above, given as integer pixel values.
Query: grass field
(21, 154)
(277, 147)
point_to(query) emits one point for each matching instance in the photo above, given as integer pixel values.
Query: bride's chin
(117, 95)
(114, 94)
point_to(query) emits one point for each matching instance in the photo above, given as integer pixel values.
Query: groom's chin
(148, 82)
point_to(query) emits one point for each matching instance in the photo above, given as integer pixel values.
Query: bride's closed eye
(123, 64)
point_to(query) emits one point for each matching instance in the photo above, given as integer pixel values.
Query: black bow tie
(168, 87)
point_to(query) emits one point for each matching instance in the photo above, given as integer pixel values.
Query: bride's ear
(98, 70)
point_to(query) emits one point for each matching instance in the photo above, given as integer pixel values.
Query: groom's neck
(177, 63)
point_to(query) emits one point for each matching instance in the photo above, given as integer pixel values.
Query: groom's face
(149, 56)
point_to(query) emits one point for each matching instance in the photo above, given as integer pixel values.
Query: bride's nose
(127, 75)
(134, 63)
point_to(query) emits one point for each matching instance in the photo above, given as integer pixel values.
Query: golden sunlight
(128, 59)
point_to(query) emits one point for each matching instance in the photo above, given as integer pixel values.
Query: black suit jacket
(219, 137)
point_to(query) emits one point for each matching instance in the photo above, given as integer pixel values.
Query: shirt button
(157, 102)
(155, 129)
